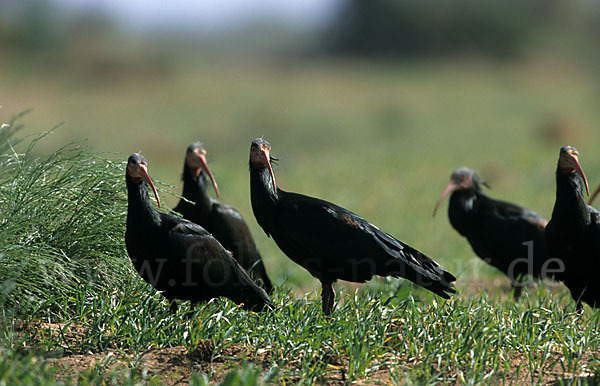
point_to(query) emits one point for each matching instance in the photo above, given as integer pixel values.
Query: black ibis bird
(331, 242)
(178, 257)
(573, 233)
(224, 222)
(504, 235)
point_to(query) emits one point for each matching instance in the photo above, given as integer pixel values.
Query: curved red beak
(147, 178)
(267, 156)
(204, 166)
(580, 170)
(449, 189)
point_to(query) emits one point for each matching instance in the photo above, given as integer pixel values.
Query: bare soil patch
(176, 365)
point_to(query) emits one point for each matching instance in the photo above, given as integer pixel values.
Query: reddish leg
(328, 297)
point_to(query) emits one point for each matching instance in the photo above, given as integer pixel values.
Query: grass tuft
(62, 220)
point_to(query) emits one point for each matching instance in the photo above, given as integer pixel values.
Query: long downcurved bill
(265, 153)
(149, 181)
(210, 175)
(594, 195)
(449, 189)
(580, 170)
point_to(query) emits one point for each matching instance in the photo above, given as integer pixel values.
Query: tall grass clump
(62, 218)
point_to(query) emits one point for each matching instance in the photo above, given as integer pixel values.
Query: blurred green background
(368, 104)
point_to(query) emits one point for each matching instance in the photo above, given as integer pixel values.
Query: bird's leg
(189, 314)
(577, 294)
(579, 308)
(173, 306)
(517, 286)
(327, 297)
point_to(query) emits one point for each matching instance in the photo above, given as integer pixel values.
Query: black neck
(261, 182)
(570, 206)
(194, 189)
(139, 206)
(463, 204)
(263, 195)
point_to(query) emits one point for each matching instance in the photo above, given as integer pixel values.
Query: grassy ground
(379, 139)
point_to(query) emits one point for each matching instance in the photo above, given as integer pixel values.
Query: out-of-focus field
(380, 139)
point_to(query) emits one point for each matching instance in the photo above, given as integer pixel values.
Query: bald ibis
(223, 221)
(573, 233)
(502, 234)
(177, 257)
(331, 242)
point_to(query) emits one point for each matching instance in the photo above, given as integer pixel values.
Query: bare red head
(137, 170)
(195, 160)
(461, 179)
(568, 163)
(260, 157)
